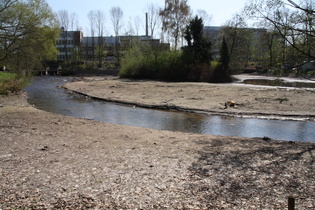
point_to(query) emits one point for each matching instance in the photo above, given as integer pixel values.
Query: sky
(220, 10)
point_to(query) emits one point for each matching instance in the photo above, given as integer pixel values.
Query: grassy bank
(12, 82)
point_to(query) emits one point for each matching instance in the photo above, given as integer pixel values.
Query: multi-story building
(68, 43)
(73, 43)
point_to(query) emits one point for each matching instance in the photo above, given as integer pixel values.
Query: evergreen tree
(199, 48)
(224, 55)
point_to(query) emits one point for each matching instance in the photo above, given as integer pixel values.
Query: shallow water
(45, 94)
(278, 82)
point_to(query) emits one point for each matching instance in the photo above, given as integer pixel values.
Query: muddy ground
(50, 161)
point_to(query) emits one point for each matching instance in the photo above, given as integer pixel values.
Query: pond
(45, 94)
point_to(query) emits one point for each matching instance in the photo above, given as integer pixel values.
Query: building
(72, 43)
(68, 43)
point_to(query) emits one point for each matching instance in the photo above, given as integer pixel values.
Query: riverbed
(45, 93)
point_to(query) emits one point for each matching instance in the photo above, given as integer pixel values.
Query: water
(45, 94)
(278, 82)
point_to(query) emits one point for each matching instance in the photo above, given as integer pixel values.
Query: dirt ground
(50, 161)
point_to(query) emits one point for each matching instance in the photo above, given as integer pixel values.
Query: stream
(44, 93)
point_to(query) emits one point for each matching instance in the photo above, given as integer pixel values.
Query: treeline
(29, 28)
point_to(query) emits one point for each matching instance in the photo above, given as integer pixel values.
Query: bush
(13, 83)
(177, 66)
(150, 64)
(220, 74)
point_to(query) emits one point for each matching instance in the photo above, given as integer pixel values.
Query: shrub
(13, 83)
(220, 74)
(148, 63)
(170, 66)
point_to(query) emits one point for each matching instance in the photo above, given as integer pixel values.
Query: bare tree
(205, 16)
(238, 40)
(297, 28)
(100, 22)
(175, 16)
(100, 25)
(64, 19)
(116, 15)
(92, 18)
(154, 19)
(137, 23)
(64, 22)
(130, 30)
(74, 22)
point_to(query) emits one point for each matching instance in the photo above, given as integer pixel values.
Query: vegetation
(175, 16)
(143, 62)
(4, 76)
(12, 83)
(192, 63)
(224, 55)
(283, 40)
(28, 31)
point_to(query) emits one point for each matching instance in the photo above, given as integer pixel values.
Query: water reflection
(45, 94)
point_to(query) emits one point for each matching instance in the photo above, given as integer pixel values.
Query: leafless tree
(92, 19)
(205, 16)
(137, 23)
(297, 28)
(238, 40)
(64, 19)
(154, 19)
(74, 22)
(64, 22)
(100, 25)
(130, 29)
(116, 15)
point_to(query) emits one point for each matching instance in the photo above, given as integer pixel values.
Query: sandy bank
(251, 101)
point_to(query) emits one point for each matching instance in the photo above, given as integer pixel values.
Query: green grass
(12, 83)
(4, 76)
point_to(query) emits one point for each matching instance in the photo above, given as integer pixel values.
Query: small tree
(116, 15)
(175, 16)
(224, 55)
(197, 55)
(199, 48)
